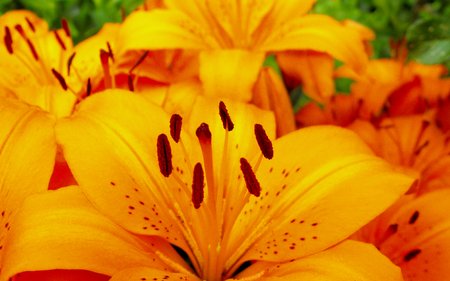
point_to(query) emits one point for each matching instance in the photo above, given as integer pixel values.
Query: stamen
(139, 61)
(204, 136)
(89, 88)
(33, 50)
(60, 79)
(263, 141)
(30, 25)
(130, 83)
(392, 229)
(65, 26)
(122, 13)
(164, 155)
(198, 185)
(61, 43)
(110, 51)
(8, 40)
(19, 29)
(104, 57)
(203, 133)
(69, 62)
(253, 185)
(226, 120)
(175, 127)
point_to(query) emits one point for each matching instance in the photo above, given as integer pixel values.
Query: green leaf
(429, 41)
(343, 85)
(271, 61)
(299, 98)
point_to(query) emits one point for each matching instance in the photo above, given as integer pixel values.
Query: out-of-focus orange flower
(415, 146)
(414, 234)
(34, 64)
(314, 70)
(339, 110)
(216, 198)
(235, 36)
(397, 89)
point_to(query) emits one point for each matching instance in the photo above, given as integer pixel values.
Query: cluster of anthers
(211, 266)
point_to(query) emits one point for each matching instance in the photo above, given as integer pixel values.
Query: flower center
(210, 222)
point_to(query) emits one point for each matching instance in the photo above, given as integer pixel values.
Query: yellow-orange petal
(162, 29)
(27, 157)
(117, 133)
(315, 199)
(270, 93)
(314, 70)
(319, 33)
(62, 230)
(230, 73)
(349, 260)
(422, 237)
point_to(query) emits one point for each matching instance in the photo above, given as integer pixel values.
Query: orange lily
(24, 170)
(414, 234)
(397, 88)
(231, 34)
(415, 146)
(303, 205)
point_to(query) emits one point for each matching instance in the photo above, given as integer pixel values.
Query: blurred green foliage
(85, 17)
(398, 19)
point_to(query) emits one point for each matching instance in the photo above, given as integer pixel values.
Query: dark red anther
(139, 61)
(198, 185)
(19, 29)
(263, 141)
(60, 42)
(164, 155)
(175, 127)
(110, 51)
(252, 183)
(130, 83)
(89, 88)
(30, 24)
(8, 40)
(226, 120)
(65, 26)
(412, 254)
(203, 133)
(69, 62)
(60, 79)
(33, 50)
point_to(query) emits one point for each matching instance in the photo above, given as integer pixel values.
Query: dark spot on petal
(414, 217)
(412, 254)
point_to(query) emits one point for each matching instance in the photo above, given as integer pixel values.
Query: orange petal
(349, 260)
(62, 230)
(173, 29)
(422, 237)
(27, 157)
(110, 145)
(312, 69)
(222, 74)
(29, 21)
(311, 203)
(270, 93)
(319, 33)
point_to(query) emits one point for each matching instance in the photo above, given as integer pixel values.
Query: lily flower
(34, 64)
(24, 169)
(413, 145)
(232, 203)
(414, 234)
(231, 34)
